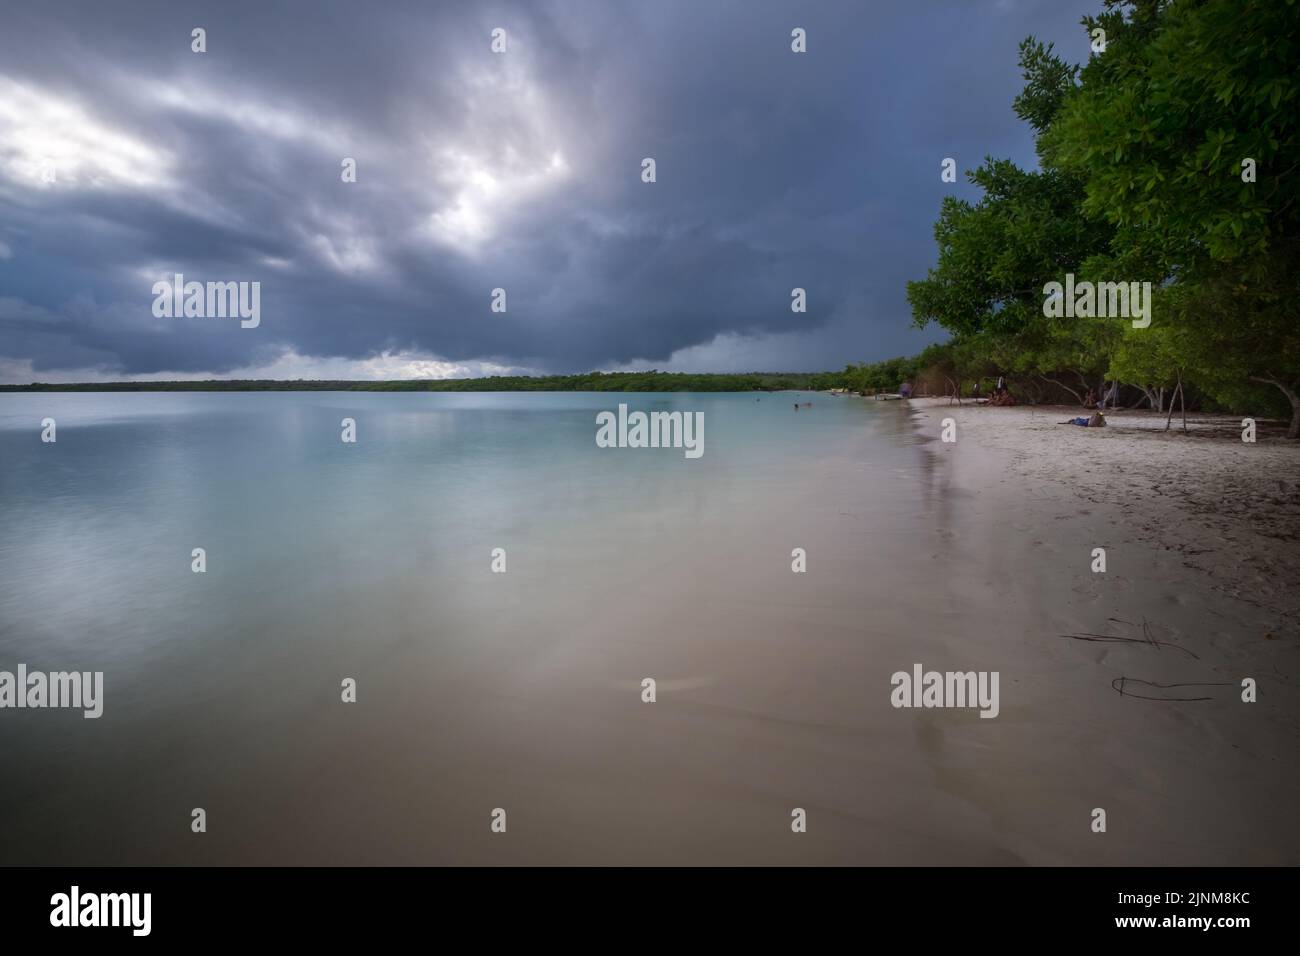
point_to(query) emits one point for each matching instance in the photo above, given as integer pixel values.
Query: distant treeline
(651, 381)
(937, 370)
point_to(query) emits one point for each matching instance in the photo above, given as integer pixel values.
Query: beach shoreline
(1229, 508)
(524, 690)
(1145, 718)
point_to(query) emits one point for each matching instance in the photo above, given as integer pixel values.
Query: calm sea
(475, 690)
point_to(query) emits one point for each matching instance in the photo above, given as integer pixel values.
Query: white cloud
(510, 150)
(47, 142)
(289, 365)
(248, 114)
(346, 253)
(738, 352)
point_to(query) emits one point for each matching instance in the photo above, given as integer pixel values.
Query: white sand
(1230, 509)
(1201, 539)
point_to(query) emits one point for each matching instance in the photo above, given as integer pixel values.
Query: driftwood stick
(1120, 685)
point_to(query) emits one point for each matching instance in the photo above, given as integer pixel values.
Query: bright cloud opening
(47, 141)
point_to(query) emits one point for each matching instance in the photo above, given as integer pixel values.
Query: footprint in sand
(1088, 591)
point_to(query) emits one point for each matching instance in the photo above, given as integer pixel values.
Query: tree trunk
(956, 391)
(1178, 391)
(1050, 381)
(1292, 396)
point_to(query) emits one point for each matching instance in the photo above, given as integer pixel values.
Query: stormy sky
(125, 157)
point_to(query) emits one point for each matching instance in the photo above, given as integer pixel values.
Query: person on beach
(1001, 395)
(905, 390)
(1098, 420)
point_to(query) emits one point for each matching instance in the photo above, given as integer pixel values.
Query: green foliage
(1159, 130)
(996, 255)
(1048, 81)
(1141, 152)
(1163, 120)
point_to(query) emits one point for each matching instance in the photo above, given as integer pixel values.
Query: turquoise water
(372, 560)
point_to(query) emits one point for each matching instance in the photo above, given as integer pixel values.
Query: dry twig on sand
(1120, 683)
(1146, 638)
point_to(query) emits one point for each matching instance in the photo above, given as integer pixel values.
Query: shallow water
(475, 690)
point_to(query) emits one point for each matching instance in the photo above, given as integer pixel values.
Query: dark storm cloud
(478, 171)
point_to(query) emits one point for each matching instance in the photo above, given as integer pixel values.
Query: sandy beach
(1200, 532)
(1228, 509)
